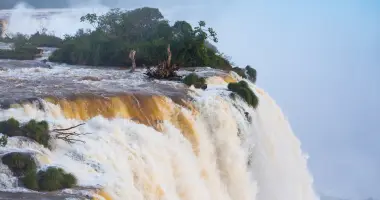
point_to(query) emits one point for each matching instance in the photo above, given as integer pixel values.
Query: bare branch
(66, 129)
(69, 137)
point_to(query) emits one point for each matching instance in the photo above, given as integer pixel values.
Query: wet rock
(90, 78)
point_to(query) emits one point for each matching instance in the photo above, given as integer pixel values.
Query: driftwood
(68, 136)
(132, 57)
(164, 70)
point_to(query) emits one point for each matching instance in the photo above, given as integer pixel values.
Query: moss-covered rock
(194, 79)
(242, 89)
(55, 179)
(19, 163)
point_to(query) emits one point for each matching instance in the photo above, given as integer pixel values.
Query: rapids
(154, 140)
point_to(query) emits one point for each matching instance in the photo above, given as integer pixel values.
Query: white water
(239, 160)
(59, 22)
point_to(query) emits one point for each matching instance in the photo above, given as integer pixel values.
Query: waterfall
(155, 147)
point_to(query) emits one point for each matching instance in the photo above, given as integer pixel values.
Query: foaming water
(153, 147)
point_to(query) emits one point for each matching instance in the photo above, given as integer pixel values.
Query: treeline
(38, 39)
(146, 31)
(25, 47)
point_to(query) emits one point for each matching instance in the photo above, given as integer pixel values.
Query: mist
(319, 60)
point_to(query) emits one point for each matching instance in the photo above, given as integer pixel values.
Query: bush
(243, 90)
(239, 71)
(30, 180)
(55, 179)
(11, 127)
(19, 163)
(194, 79)
(251, 73)
(38, 131)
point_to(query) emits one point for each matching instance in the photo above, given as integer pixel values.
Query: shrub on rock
(19, 163)
(242, 89)
(30, 180)
(10, 127)
(38, 131)
(55, 179)
(252, 73)
(239, 71)
(194, 79)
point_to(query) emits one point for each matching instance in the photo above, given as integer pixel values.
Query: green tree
(144, 30)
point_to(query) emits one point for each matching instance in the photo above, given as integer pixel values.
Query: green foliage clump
(38, 131)
(19, 163)
(239, 71)
(30, 180)
(51, 179)
(24, 166)
(148, 33)
(242, 89)
(251, 73)
(55, 179)
(194, 79)
(3, 140)
(10, 127)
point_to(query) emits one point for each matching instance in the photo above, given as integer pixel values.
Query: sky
(320, 61)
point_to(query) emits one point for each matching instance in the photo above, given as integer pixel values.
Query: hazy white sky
(320, 60)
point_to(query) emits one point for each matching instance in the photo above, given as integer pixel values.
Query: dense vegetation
(38, 39)
(25, 46)
(24, 52)
(38, 131)
(242, 89)
(146, 31)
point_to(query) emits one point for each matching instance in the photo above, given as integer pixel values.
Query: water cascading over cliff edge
(156, 147)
